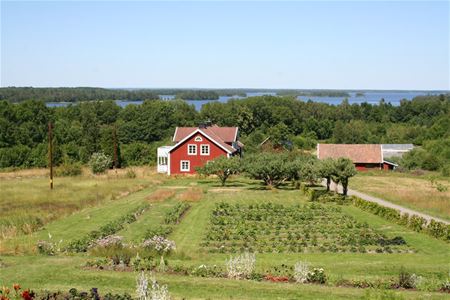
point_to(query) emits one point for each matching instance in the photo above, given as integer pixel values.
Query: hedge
(434, 228)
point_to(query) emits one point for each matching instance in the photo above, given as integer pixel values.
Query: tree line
(284, 123)
(275, 169)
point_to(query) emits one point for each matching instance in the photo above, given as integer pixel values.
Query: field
(280, 225)
(412, 191)
(26, 202)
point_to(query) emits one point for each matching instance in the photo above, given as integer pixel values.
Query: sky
(212, 44)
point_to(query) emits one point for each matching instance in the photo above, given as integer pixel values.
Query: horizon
(339, 45)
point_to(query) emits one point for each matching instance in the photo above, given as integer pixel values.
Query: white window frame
(189, 148)
(188, 165)
(208, 147)
(198, 139)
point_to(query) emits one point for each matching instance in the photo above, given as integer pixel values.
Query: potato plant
(311, 227)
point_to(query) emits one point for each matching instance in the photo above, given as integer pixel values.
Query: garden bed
(275, 228)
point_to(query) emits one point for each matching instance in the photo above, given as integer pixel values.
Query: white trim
(168, 164)
(201, 150)
(195, 147)
(235, 135)
(181, 165)
(175, 134)
(204, 134)
(382, 154)
(198, 139)
(390, 163)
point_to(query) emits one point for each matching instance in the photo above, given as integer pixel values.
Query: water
(371, 97)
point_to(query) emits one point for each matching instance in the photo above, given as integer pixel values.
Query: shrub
(154, 291)
(317, 275)
(46, 248)
(408, 280)
(160, 244)
(109, 241)
(241, 266)
(301, 271)
(416, 223)
(163, 231)
(99, 162)
(68, 169)
(174, 215)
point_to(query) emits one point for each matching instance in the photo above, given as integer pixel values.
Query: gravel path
(388, 204)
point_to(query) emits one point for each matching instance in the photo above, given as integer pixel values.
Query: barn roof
(358, 153)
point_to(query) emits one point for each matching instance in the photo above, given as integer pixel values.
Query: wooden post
(115, 147)
(50, 152)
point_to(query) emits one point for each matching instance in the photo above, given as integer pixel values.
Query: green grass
(430, 259)
(415, 192)
(26, 202)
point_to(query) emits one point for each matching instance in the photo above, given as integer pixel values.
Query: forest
(89, 127)
(80, 94)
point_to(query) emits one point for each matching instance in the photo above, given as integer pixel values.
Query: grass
(26, 202)
(415, 192)
(430, 259)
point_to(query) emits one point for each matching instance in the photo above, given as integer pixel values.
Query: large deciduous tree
(222, 167)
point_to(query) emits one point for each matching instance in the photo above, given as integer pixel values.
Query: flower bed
(312, 227)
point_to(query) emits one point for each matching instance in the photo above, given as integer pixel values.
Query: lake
(372, 97)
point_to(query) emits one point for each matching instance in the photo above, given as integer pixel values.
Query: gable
(206, 138)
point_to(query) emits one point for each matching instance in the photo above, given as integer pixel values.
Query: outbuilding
(364, 156)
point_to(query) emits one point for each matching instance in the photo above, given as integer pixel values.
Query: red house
(194, 146)
(364, 156)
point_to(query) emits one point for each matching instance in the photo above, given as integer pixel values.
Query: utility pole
(115, 147)
(50, 152)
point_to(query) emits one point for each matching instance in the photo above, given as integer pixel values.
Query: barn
(364, 156)
(195, 146)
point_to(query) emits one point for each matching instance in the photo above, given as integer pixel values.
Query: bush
(174, 215)
(68, 169)
(416, 223)
(159, 244)
(317, 276)
(99, 162)
(408, 280)
(301, 271)
(138, 153)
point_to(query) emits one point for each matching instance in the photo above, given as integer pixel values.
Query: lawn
(250, 208)
(412, 191)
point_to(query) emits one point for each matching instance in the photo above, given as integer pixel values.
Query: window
(192, 149)
(204, 150)
(198, 139)
(162, 160)
(184, 166)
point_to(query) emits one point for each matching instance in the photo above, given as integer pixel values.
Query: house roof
(358, 153)
(226, 134)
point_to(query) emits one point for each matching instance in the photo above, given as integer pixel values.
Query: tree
(309, 171)
(272, 168)
(222, 167)
(99, 162)
(343, 170)
(326, 170)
